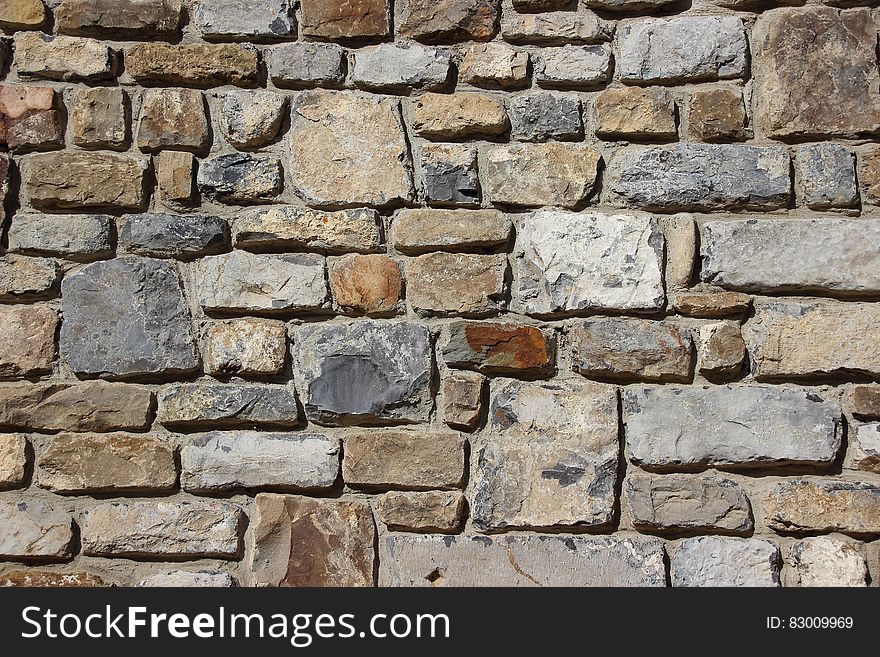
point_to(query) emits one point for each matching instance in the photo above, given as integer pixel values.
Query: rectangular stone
(126, 18)
(399, 67)
(160, 528)
(27, 340)
(838, 255)
(682, 49)
(548, 561)
(34, 530)
(499, 348)
(825, 561)
(461, 404)
(240, 178)
(100, 118)
(461, 284)
(223, 461)
(568, 262)
(292, 227)
(363, 19)
(245, 347)
(114, 463)
(824, 505)
(193, 64)
(573, 67)
(194, 405)
(555, 27)
(23, 278)
(79, 237)
(431, 511)
(748, 426)
(29, 118)
(458, 116)
(791, 339)
(174, 177)
(82, 180)
(162, 235)
(257, 20)
(401, 460)
(713, 561)
(63, 57)
(13, 460)
(302, 65)
(827, 176)
(550, 457)
(244, 282)
(419, 230)
(90, 406)
(700, 177)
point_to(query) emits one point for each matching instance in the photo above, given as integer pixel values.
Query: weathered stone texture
(188, 405)
(449, 174)
(62, 57)
(442, 21)
(250, 119)
(126, 18)
(99, 118)
(457, 284)
(187, 579)
(35, 578)
(13, 460)
(717, 115)
(241, 178)
(306, 65)
(364, 372)
(542, 116)
(245, 347)
(722, 349)
(172, 119)
(80, 237)
(126, 317)
(555, 27)
(569, 261)
(261, 19)
(22, 14)
(366, 284)
(395, 67)
(713, 561)
(299, 542)
(494, 65)
(521, 561)
(824, 561)
(420, 230)
(462, 399)
(431, 511)
(174, 177)
(711, 304)
(193, 64)
(34, 530)
(29, 119)
(459, 116)
(27, 340)
(627, 112)
(414, 461)
(865, 447)
(573, 67)
(163, 235)
(23, 278)
(291, 227)
(865, 401)
(499, 348)
(345, 20)
(550, 459)
(827, 175)
(744, 426)
(824, 505)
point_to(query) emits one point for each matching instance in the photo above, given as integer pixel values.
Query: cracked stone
(195, 405)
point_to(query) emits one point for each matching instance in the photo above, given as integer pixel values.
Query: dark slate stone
(126, 317)
(365, 372)
(450, 172)
(172, 235)
(546, 115)
(241, 178)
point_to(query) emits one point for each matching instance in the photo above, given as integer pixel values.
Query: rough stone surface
(544, 116)
(156, 528)
(99, 118)
(573, 67)
(27, 340)
(458, 116)
(869, 176)
(349, 149)
(189, 405)
(531, 175)
(494, 65)
(90, 406)
(722, 349)
(175, 176)
(357, 19)
(555, 27)
(126, 317)
(521, 561)
(250, 119)
(682, 49)
(59, 181)
(808, 254)
(22, 14)
(307, 65)
(711, 304)
(291, 227)
(13, 460)
(700, 177)
(187, 579)
(28, 278)
(815, 505)
(126, 18)
(631, 350)
(4, 186)
(865, 447)
(173, 119)
(162, 235)
(221, 461)
(714, 561)
(824, 561)
(819, 338)
(33, 578)
(462, 399)
(499, 348)
(420, 230)
(245, 347)
(634, 113)
(34, 530)
(366, 284)
(413, 461)
(550, 458)
(262, 19)
(110, 463)
(569, 261)
(299, 542)
(865, 401)
(241, 178)
(80, 237)
(193, 64)
(364, 372)
(431, 511)
(449, 174)
(393, 67)
(744, 426)
(62, 57)
(792, 45)
(717, 115)
(28, 118)
(243, 282)
(688, 503)
(457, 284)
(443, 21)
(827, 175)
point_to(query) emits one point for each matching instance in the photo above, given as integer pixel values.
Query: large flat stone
(77, 237)
(714, 561)
(555, 27)
(461, 284)
(456, 561)
(550, 458)
(447, 21)
(126, 18)
(824, 505)
(217, 405)
(222, 461)
(364, 372)
(399, 67)
(569, 262)
(500, 348)
(359, 19)
(193, 64)
(260, 19)
(839, 255)
(163, 235)
(126, 317)
(745, 426)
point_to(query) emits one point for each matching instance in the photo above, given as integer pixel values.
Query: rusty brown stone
(28, 117)
(132, 18)
(448, 21)
(27, 340)
(865, 402)
(33, 578)
(500, 348)
(717, 115)
(365, 284)
(197, 64)
(305, 542)
(353, 19)
(869, 175)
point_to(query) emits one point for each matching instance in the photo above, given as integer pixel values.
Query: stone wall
(439, 292)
